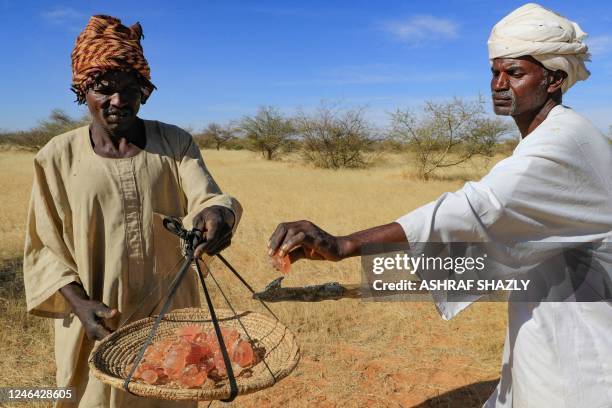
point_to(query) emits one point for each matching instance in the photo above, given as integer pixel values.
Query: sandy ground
(354, 353)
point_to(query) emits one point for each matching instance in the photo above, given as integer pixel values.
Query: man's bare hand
(216, 223)
(92, 313)
(303, 239)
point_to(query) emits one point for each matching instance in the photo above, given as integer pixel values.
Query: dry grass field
(354, 353)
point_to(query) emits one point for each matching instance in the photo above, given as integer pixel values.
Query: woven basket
(110, 357)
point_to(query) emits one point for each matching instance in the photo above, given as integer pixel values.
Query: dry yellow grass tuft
(16, 172)
(354, 353)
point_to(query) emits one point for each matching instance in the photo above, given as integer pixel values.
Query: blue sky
(216, 61)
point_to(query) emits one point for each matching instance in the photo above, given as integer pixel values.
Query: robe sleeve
(544, 192)
(48, 263)
(199, 187)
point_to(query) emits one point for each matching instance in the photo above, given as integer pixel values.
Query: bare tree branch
(332, 138)
(447, 134)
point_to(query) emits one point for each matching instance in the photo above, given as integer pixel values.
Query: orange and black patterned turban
(106, 44)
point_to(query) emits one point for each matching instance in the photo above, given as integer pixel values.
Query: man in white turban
(551, 39)
(556, 187)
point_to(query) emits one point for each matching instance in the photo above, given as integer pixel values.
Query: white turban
(553, 40)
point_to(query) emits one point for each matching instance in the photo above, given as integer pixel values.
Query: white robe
(556, 187)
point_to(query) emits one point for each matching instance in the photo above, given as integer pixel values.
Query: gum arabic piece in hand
(281, 264)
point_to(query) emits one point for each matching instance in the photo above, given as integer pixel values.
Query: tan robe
(91, 221)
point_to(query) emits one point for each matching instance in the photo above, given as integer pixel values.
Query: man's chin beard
(126, 121)
(502, 113)
(505, 111)
(120, 128)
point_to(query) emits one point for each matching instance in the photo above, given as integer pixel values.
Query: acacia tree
(216, 135)
(334, 139)
(449, 133)
(267, 131)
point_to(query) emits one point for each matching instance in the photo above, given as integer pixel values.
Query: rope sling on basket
(115, 362)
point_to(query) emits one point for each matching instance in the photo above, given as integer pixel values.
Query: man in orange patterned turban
(95, 255)
(106, 44)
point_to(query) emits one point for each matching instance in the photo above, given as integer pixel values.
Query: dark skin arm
(303, 239)
(521, 87)
(91, 313)
(216, 223)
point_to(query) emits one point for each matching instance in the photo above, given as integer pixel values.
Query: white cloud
(62, 15)
(418, 29)
(599, 45)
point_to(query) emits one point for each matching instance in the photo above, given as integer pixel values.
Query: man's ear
(556, 79)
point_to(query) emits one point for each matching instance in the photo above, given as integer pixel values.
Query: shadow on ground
(11, 278)
(469, 396)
